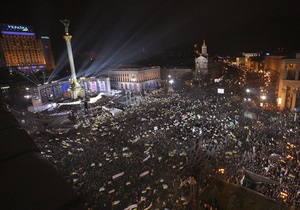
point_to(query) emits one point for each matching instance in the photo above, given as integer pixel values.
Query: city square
(140, 106)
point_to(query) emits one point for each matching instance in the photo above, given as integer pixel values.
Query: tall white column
(70, 55)
(75, 89)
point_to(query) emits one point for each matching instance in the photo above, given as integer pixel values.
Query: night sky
(126, 28)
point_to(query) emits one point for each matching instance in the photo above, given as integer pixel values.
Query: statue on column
(75, 89)
(66, 24)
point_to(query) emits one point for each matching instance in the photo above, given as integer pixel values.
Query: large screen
(49, 92)
(84, 86)
(64, 88)
(57, 91)
(102, 86)
(93, 86)
(44, 95)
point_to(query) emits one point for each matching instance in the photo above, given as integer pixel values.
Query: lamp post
(263, 98)
(128, 92)
(171, 81)
(296, 110)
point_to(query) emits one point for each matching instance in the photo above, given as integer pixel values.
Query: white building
(201, 62)
(137, 79)
(205, 67)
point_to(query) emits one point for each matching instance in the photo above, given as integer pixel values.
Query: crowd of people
(151, 154)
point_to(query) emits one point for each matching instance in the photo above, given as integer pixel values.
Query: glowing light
(221, 170)
(220, 90)
(279, 100)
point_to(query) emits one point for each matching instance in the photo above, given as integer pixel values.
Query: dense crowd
(146, 156)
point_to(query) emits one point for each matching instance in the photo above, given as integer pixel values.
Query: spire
(204, 48)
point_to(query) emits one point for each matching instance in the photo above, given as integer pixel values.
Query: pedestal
(75, 89)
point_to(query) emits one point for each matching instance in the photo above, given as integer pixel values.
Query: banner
(118, 175)
(102, 86)
(131, 207)
(144, 173)
(146, 158)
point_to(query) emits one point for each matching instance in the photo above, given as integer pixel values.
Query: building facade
(48, 53)
(20, 48)
(201, 62)
(207, 68)
(137, 79)
(289, 82)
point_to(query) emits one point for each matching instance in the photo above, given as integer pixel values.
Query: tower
(204, 49)
(201, 62)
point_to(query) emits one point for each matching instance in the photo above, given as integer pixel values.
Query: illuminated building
(201, 62)
(48, 53)
(20, 48)
(289, 80)
(137, 79)
(206, 67)
(249, 60)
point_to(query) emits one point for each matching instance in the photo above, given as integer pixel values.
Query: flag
(131, 207)
(184, 116)
(116, 202)
(286, 171)
(146, 158)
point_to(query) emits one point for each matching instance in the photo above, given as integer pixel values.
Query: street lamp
(128, 92)
(263, 98)
(171, 85)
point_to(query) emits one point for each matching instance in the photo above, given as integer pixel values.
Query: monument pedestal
(75, 89)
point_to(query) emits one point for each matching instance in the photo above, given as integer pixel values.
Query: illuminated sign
(57, 91)
(220, 90)
(16, 29)
(44, 37)
(102, 86)
(93, 86)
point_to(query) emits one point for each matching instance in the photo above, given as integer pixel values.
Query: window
(290, 75)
